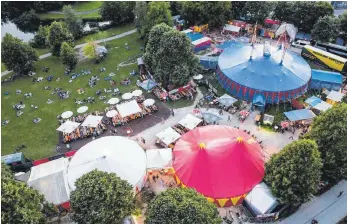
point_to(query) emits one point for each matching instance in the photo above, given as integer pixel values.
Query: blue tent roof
(313, 101)
(264, 73)
(194, 36)
(13, 158)
(326, 76)
(298, 115)
(211, 117)
(229, 43)
(259, 100)
(148, 84)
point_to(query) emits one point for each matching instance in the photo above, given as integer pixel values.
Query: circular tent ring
(112, 154)
(264, 74)
(220, 162)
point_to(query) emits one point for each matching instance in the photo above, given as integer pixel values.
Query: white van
(300, 43)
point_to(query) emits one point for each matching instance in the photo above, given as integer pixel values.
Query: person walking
(340, 194)
(229, 119)
(291, 137)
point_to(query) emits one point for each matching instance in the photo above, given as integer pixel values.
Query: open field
(41, 138)
(86, 6)
(49, 16)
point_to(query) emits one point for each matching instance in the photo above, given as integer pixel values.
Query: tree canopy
(17, 55)
(257, 11)
(89, 50)
(140, 13)
(171, 58)
(101, 197)
(27, 21)
(343, 23)
(181, 205)
(39, 40)
(118, 12)
(293, 174)
(58, 34)
(326, 28)
(329, 130)
(237, 9)
(73, 22)
(68, 55)
(215, 14)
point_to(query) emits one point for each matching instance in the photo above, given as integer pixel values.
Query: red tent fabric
(218, 161)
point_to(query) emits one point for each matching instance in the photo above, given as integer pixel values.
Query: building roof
(190, 121)
(323, 106)
(326, 76)
(168, 136)
(260, 199)
(231, 28)
(335, 96)
(299, 115)
(313, 101)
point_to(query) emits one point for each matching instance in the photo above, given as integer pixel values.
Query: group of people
(84, 132)
(92, 81)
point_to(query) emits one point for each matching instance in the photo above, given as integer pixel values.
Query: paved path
(326, 209)
(82, 45)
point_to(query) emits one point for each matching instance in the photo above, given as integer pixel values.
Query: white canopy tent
(127, 96)
(231, 28)
(159, 158)
(82, 109)
(335, 96)
(51, 181)
(168, 136)
(227, 100)
(92, 121)
(323, 106)
(190, 121)
(137, 92)
(111, 113)
(113, 101)
(261, 200)
(128, 108)
(112, 154)
(68, 127)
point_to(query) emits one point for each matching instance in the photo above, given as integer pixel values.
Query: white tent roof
(168, 136)
(231, 28)
(323, 106)
(128, 108)
(190, 121)
(50, 180)
(261, 200)
(335, 96)
(92, 121)
(187, 31)
(113, 154)
(227, 100)
(159, 158)
(68, 126)
(201, 40)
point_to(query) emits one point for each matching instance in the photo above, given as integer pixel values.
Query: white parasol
(148, 102)
(137, 93)
(111, 113)
(198, 77)
(113, 101)
(66, 114)
(68, 127)
(82, 109)
(127, 96)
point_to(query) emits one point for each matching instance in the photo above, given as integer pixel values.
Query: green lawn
(86, 6)
(41, 51)
(41, 138)
(48, 16)
(106, 33)
(3, 67)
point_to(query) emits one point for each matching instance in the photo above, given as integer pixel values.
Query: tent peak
(239, 139)
(202, 146)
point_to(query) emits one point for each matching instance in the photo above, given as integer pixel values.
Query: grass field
(86, 6)
(49, 16)
(41, 138)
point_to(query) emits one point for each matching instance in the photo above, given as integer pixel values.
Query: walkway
(82, 45)
(326, 209)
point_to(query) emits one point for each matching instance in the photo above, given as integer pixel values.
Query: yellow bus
(325, 58)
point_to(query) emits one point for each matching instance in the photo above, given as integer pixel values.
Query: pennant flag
(235, 200)
(222, 201)
(210, 199)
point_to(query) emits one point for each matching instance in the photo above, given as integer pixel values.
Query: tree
(73, 22)
(343, 23)
(58, 34)
(329, 130)
(175, 59)
(293, 174)
(152, 46)
(101, 197)
(68, 55)
(118, 12)
(181, 205)
(158, 12)
(213, 13)
(140, 13)
(23, 204)
(326, 28)
(90, 49)
(175, 7)
(237, 9)
(28, 21)
(257, 11)
(344, 99)
(17, 55)
(39, 40)
(284, 11)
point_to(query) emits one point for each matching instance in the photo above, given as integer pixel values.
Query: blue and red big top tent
(262, 76)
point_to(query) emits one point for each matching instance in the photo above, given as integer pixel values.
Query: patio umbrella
(198, 77)
(244, 113)
(66, 114)
(82, 109)
(111, 113)
(127, 96)
(211, 117)
(284, 124)
(148, 102)
(113, 101)
(137, 93)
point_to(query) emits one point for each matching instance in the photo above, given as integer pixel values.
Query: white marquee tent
(159, 158)
(335, 96)
(168, 136)
(261, 200)
(92, 121)
(190, 121)
(227, 100)
(200, 41)
(231, 28)
(68, 127)
(128, 108)
(50, 180)
(113, 154)
(323, 106)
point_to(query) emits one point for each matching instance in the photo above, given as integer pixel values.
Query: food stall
(160, 93)
(182, 92)
(129, 111)
(167, 137)
(190, 122)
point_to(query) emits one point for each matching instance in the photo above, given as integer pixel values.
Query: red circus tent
(220, 162)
